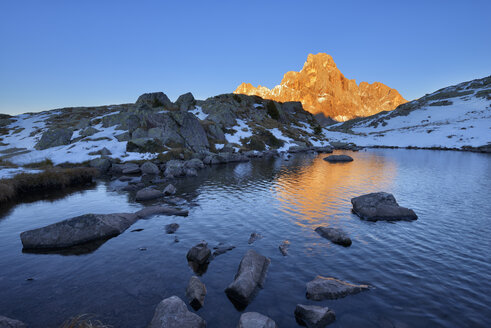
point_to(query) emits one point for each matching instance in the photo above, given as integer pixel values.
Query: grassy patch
(51, 179)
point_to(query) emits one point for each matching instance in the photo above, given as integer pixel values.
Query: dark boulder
(150, 168)
(314, 316)
(381, 206)
(196, 292)
(322, 288)
(148, 194)
(255, 320)
(172, 312)
(171, 228)
(54, 137)
(338, 158)
(186, 101)
(337, 236)
(199, 254)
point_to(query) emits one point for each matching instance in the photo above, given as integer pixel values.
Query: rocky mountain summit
(322, 88)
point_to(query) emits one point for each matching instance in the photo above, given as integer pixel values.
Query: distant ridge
(322, 88)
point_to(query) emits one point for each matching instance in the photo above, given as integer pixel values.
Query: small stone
(196, 292)
(171, 228)
(284, 247)
(170, 190)
(199, 254)
(254, 236)
(337, 236)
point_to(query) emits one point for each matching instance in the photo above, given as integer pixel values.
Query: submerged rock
(11, 323)
(78, 230)
(314, 316)
(171, 228)
(284, 247)
(222, 249)
(331, 288)
(381, 206)
(337, 236)
(196, 292)
(255, 320)
(254, 236)
(199, 254)
(148, 193)
(249, 278)
(160, 210)
(172, 312)
(338, 158)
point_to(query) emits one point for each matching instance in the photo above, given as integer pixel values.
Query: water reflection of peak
(317, 192)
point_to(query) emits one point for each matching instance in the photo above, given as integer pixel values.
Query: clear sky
(82, 53)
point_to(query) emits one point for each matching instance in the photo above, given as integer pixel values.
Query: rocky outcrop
(338, 158)
(255, 320)
(337, 236)
(249, 278)
(78, 230)
(196, 292)
(322, 288)
(173, 313)
(186, 101)
(11, 323)
(155, 99)
(322, 88)
(381, 206)
(313, 316)
(54, 137)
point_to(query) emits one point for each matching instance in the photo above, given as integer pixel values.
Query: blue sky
(82, 53)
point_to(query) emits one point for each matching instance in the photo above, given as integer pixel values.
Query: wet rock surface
(172, 312)
(337, 236)
(322, 288)
(160, 210)
(313, 316)
(196, 292)
(255, 320)
(148, 194)
(284, 247)
(381, 206)
(249, 278)
(199, 254)
(11, 323)
(338, 158)
(171, 228)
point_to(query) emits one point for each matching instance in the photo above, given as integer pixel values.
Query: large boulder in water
(331, 288)
(314, 316)
(337, 236)
(249, 278)
(255, 320)
(338, 158)
(78, 230)
(381, 206)
(54, 137)
(172, 312)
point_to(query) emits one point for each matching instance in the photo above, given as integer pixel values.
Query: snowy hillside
(456, 117)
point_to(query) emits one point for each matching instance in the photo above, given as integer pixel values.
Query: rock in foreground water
(338, 158)
(381, 206)
(171, 228)
(78, 230)
(196, 292)
(255, 320)
(330, 288)
(337, 236)
(314, 316)
(160, 210)
(199, 254)
(249, 278)
(172, 312)
(11, 323)
(148, 194)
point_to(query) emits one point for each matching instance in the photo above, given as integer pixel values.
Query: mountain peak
(322, 88)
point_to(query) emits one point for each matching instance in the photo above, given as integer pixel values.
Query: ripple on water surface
(431, 272)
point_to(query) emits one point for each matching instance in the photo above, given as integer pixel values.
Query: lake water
(433, 272)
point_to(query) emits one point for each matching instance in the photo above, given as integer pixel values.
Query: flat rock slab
(11, 323)
(160, 210)
(338, 158)
(172, 312)
(314, 316)
(148, 194)
(78, 230)
(255, 320)
(322, 288)
(337, 236)
(222, 249)
(249, 278)
(381, 206)
(196, 292)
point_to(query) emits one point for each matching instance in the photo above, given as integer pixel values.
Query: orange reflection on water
(315, 194)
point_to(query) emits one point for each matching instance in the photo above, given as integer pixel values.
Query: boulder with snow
(148, 193)
(54, 137)
(337, 236)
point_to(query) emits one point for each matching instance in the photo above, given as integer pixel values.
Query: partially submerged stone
(337, 236)
(314, 316)
(171, 228)
(338, 158)
(160, 210)
(199, 253)
(254, 236)
(331, 288)
(78, 230)
(255, 320)
(381, 206)
(249, 278)
(11, 323)
(148, 194)
(196, 292)
(172, 312)
(222, 249)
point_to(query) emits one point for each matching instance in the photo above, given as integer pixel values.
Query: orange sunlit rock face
(319, 193)
(322, 88)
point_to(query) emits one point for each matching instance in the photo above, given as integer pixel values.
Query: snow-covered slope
(456, 117)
